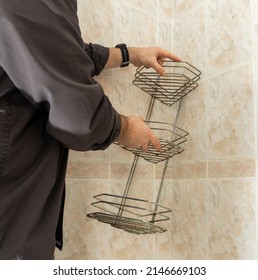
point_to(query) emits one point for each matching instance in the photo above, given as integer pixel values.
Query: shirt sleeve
(99, 56)
(42, 52)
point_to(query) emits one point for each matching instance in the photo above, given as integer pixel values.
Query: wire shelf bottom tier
(127, 224)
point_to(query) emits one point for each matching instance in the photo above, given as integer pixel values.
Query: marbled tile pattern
(235, 168)
(212, 186)
(255, 16)
(189, 38)
(97, 21)
(219, 37)
(188, 222)
(231, 114)
(232, 232)
(229, 33)
(83, 237)
(182, 7)
(193, 120)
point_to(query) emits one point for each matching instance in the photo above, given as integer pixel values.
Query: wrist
(124, 128)
(124, 54)
(133, 55)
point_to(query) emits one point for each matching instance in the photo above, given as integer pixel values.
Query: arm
(149, 57)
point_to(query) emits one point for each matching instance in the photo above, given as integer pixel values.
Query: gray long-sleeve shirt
(42, 52)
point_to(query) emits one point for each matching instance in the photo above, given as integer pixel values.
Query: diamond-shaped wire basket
(171, 139)
(180, 79)
(133, 215)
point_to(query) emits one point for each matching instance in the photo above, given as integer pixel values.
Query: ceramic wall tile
(164, 38)
(121, 170)
(164, 169)
(189, 41)
(97, 21)
(139, 30)
(232, 232)
(162, 244)
(129, 100)
(189, 170)
(192, 118)
(128, 246)
(89, 155)
(182, 7)
(229, 33)
(256, 39)
(84, 238)
(139, 188)
(82, 169)
(223, 118)
(118, 154)
(148, 7)
(231, 114)
(188, 221)
(232, 168)
(166, 10)
(256, 106)
(163, 113)
(255, 16)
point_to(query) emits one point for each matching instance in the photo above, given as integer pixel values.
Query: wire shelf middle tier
(171, 139)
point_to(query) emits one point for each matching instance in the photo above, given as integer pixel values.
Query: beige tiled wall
(212, 186)
(219, 164)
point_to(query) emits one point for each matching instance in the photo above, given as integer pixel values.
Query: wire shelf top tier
(180, 79)
(133, 215)
(171, 140)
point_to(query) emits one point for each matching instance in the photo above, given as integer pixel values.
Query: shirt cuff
(115, 131)
(98, 55)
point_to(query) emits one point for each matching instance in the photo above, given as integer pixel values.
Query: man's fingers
(166, 54)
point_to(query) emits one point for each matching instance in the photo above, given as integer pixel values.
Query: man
(50, 103)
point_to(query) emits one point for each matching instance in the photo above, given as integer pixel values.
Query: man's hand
(136, 134)
(152, 57)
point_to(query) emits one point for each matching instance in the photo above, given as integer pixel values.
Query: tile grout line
(206, 131)
(255, 98)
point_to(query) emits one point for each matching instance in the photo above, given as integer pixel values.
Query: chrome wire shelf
(180, 79)
(136, 216)
(171, 139)
(130, 225)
